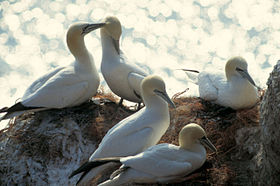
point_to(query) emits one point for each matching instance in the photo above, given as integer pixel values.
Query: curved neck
(154, 102)
(77, 47)
(188, 144)
(108, 48)
(185, 142)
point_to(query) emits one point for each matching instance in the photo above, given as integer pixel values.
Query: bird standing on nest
(122, 77)
(64, 86)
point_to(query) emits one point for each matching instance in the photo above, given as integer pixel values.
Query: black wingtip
(87, 166)
(4, 109)
(82, 168)
(17, 107)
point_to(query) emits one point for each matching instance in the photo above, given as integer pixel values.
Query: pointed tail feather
(17, 109)
(189, 70)
(192, 77)
(87, 166)
(98, 165)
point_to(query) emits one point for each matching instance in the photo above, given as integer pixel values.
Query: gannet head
(192, 134)
(154, 85)
(113, 29)
(81, 29)
(76, 33)
(237, 66)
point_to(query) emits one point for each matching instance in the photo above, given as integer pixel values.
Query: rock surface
(267, 160)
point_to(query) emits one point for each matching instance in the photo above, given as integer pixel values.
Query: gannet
(122, 77)
(162, 163)
(63, 86)
(135, 133)
(236, 89)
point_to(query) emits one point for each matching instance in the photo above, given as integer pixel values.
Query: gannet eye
(239, 69)
(84, 29)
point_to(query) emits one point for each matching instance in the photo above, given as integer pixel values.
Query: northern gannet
(236, 89)
(162, 163)
(135, 133)
(122, 77)
(63, 86)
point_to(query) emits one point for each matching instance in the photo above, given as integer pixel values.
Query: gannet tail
(190, 73)
(92, 169)
(16, 110)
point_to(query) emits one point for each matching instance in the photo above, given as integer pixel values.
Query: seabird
(235, 89)
(162, 163)
(123, 77)
(135, 133)
(64, 86)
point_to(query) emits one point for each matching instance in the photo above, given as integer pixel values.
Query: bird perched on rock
(135, 133)
(235, 89)
(64, 86)
(162, 163)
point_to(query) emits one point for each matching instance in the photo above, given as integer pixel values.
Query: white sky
(158, 35)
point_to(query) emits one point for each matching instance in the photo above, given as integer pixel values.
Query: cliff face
(44, 148)
(268, 158)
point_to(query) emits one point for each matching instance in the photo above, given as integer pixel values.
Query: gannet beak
(165, 96)
(207, 143)
(245, 74)
(116, 45)
(90, 27)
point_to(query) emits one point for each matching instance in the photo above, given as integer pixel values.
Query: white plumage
(63, 86)
(137, 132)
(165, 163)
(234, 88)
(122, 77)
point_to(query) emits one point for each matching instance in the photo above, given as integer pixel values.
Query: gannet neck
(108, 47)
(154, 102)
(76, 45)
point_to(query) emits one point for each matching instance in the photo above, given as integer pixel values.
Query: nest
(96, 117)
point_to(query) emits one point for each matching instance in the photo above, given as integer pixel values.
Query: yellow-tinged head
(75, 36)
(192, 134)
(237, 66)
(154, 85)
(112, 27)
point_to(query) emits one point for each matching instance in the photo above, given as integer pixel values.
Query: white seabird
(135, 133)
(163, 163)
(235, 89)
(64, 86)
(122, 77)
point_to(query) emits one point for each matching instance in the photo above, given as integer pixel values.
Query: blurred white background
(158, 35)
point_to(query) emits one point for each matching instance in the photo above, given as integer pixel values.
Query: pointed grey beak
(116, 44)
(90, 27)
(207, 143)
(165, 96)
(245, 74)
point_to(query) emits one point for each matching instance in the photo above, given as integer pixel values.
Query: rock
(267, 160)
(43, 148)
